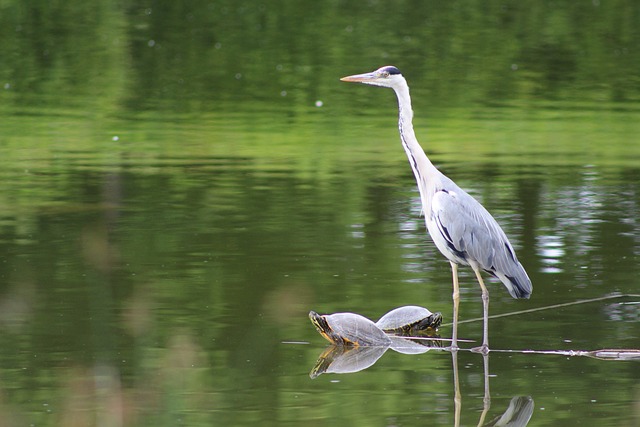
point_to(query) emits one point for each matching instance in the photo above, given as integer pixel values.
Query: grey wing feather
(474, 237)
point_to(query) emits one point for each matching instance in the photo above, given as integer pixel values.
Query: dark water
(180, 184)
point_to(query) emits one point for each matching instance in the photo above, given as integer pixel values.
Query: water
(181, 185)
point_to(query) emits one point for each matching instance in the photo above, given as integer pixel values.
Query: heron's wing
(470, 231)
(472, 234)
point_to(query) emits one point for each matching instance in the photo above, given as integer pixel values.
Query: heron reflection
(341, 359)
(349, 359)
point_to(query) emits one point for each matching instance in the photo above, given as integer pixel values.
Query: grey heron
(460, 227)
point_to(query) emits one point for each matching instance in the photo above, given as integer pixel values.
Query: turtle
(410, 320)
(349, 329)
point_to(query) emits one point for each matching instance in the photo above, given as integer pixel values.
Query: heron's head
(387, 76)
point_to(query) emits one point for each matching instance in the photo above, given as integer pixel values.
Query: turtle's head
(432, 322)
(322, 326)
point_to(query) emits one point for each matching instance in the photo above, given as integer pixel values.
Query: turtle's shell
(409, 320)
(349, 329)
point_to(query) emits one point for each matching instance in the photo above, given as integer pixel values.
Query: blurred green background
(181, 182)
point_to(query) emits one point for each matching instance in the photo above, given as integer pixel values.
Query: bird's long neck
(423, 169)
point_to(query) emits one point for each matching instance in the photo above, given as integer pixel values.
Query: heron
(460, 227)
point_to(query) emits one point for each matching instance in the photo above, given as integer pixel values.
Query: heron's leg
(485, 315)
(457, 396)
(456, 302)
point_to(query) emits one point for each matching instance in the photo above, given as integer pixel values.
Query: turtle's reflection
(341, 359)
(346, 360)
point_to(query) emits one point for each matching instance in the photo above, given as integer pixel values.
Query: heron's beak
(360, 78)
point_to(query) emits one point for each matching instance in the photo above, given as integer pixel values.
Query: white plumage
(461, 228)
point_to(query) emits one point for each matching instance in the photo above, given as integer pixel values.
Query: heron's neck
(423, 169)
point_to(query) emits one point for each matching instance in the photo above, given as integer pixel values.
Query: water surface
(180, 185)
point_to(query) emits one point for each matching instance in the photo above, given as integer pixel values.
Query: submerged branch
(549, 307)
(602, 354)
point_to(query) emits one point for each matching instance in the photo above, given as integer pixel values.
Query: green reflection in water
(173, 203)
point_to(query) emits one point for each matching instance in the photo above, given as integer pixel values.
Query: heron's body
(467, 234)
(461, 228)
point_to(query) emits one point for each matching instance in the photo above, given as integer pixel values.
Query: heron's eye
(384, 74)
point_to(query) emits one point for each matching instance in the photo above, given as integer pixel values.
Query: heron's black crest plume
(391, 70)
